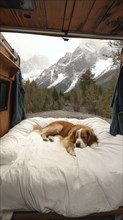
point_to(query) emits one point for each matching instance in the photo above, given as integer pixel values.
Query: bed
(41, 176)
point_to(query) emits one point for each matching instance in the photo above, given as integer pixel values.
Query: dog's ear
(91, 137)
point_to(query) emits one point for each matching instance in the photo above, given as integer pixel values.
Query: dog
(71, 135)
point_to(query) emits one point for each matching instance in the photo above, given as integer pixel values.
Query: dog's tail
(37, 128)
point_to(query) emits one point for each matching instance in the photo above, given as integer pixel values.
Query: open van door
(9, 69)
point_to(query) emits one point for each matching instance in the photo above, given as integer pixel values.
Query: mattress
(41, 176)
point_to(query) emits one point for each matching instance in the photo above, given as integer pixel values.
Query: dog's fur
(70, 134)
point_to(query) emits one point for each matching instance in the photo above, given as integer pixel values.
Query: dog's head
(83, 137)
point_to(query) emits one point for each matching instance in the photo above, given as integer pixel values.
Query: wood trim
(55, 216)
(14, 68)
(54, 33)
(5, 115)
(9, 66)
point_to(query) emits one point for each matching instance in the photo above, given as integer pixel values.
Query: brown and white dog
(71, 135)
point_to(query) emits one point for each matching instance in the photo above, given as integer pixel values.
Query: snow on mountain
(32, 75)
(72, 85)
(58, 80)
(101, 66)
(33, 67)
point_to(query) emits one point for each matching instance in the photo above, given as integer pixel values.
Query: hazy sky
(54, 48)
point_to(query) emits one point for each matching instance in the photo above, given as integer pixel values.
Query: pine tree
(55, 97)
(116, 46)
(104, 104)
(86, 80)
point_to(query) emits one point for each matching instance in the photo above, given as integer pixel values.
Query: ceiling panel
(68, 18)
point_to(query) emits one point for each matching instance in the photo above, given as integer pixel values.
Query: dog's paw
(94, 145)
(51, 139)
(45, 139)
(71, 152)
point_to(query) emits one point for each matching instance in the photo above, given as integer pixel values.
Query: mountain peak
(32, 67)
(64, 60)
(77, 51)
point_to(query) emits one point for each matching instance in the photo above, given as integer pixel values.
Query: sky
(54, 48)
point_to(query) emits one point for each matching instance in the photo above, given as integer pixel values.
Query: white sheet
(44, 177)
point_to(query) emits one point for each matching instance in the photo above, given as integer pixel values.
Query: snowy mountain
(32, 67)
(65, 74)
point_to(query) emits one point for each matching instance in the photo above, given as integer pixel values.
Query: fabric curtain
(17, 102)
(117, 105)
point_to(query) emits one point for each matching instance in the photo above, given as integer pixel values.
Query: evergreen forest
(86, 97)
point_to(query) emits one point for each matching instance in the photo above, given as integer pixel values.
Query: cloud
(98, 44)
(28, 45)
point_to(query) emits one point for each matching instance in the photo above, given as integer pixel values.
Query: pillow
(8, 149)
(11, 142)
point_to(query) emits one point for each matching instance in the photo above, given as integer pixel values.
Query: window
(18, 4)
(4, 91)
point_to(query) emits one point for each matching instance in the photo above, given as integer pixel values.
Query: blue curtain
(117, 105)
(17, 102)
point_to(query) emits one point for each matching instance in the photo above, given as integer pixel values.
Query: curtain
(117, 107)
(17, 102)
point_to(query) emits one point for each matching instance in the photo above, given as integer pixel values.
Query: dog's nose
(77, 144)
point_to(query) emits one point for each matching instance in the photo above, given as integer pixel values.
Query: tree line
(87, 97)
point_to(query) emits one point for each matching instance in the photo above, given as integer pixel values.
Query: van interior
(94, 19)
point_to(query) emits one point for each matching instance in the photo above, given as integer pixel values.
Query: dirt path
(63, 114)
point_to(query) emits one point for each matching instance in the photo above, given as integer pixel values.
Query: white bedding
(44, 177)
